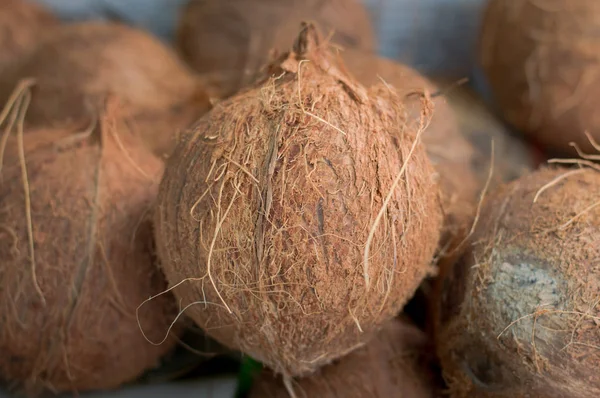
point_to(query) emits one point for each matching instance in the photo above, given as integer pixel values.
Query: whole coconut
(79, 65)
(520, 315)
(235, 37)
(396, 364)
(76, 260)
(300, 215)
(452, 155)
(541, 60)
(23, 24)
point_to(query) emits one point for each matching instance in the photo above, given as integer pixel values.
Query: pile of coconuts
(357, 227)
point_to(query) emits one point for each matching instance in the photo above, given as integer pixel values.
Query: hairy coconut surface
(520, 315)
(76, 260)
(237, 36)
(23, 24)
(451, 154)
(541, 59)
(79, 65)
(397, 363)
(299, 216)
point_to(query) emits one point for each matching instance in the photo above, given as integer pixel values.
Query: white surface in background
(214, 388)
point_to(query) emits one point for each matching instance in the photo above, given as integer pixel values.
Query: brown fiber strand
(22, 109)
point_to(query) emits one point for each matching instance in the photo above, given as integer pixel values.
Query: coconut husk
(541, 63)
(23, 24)
(76, 257)
(513, 157)
(236, 37)
(396, 364)
(299, 216)
(518, 316)
(451, 154)
(79, 65)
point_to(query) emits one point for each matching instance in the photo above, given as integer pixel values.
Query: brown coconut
(235, 37)
(520, 315)
(396, 364)
(79, 65)
(76, 261)
(542, 63)
(451, 154)
(23, 24)
(513, 157)
(271, 203)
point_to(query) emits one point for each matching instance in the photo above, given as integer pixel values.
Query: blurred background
(436, 37)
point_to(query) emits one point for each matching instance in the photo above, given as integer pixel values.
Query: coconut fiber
(305, 210)
(76, 260)
(519, 316)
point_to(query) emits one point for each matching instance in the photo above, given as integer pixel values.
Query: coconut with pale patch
(299, 216)
(451, 154)
(76, 261)
(235, 37)
(79, 65)
(542, 63)
(23, 25)
(397, 363)
(519, 316)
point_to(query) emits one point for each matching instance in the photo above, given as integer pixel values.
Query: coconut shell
(235, 37)
(79, 65)
(396, 364)
(22, 24)
(68, 302)
(519, 315)
(272, 201)
(542, 65)
(451, 154)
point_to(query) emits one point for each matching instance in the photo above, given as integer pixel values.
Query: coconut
(236, 36)
(22, 23)
(78, 65)
(397, 363)
(77, 260)
(519, 315)
(541, 65)
(451, 154)
(299, 216)
(513, 157)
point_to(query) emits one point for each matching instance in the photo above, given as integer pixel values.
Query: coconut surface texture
(76, 260)
(397, 363)
(236, 37)
(519, 316)
(298, 217)
(542, 62)
(79, 65)
(452, 155)
(22, 24)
